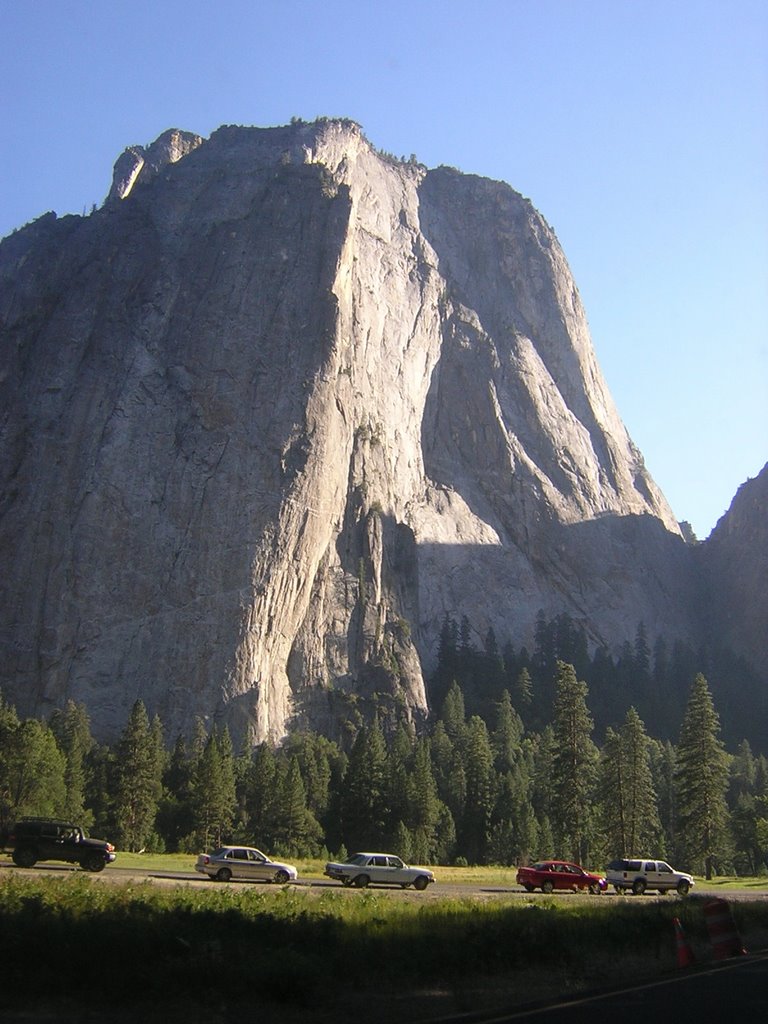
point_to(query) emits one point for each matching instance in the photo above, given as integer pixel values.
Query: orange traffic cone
(723, 933)
(685, 956)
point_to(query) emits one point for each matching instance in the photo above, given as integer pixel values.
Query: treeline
(653, 678)
(469, 789)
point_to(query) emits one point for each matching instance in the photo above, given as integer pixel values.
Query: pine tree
(507, 735)
(523, 689)
(298, 833)
(574, 766)
(453, 714)
(364, 800)
(138, 783)
(629, 811)
(263, 785)
(72, 730)
(424, 804)
(702, 781)
(213, 790)
(475, 827)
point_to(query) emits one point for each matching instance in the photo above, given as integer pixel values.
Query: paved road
(116, 874)
(733, 992)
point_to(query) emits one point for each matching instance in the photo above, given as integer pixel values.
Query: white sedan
(364, 869)
(244, 863)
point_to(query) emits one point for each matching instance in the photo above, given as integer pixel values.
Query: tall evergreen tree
(71, 727)
(702, 781)
(424, 804)
(213, 790)
(475, 827)
(263, 786)
(364, 799)
(630, 813)
(574, 767)
(663, 768)
(453, 713)
(298, 833)
(138, 782)
(507, 734)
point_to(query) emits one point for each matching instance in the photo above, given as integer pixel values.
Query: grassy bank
(292, 950)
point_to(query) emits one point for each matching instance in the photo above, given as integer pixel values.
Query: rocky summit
(281, 405)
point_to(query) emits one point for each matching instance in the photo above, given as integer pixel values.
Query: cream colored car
(364, 869)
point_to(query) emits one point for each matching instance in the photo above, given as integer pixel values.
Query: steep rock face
(279, 406)
(735, 560)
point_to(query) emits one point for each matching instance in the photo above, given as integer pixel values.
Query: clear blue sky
(639, 129)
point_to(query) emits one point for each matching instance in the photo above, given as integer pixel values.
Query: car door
(379, 869)
(398, 873)
(664, 875)
(237, 862)
(257, 865)
(558, 876)
(574, 876)
(651, 872)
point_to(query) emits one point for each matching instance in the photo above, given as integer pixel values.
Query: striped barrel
(723, 933)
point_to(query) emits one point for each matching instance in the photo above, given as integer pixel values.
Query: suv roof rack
(45, 817)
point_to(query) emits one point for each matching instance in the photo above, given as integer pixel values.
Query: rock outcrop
(735, 589)
(277, 407)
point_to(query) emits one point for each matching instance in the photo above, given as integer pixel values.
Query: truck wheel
(421, 883)
(683, 887)
(638, 886)
(25, 857)
(93, 863)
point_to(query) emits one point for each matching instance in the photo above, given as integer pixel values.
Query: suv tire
(638, 887)
(93, 863)
(24, 856)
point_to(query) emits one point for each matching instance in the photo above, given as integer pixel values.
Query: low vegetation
(120, 946)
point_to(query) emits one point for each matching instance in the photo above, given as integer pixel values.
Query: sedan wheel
(547, 887)
(223, 875)
(595, 890)
(281, 877)
(362, 881)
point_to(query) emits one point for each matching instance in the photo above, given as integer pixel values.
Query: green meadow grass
(93, 943)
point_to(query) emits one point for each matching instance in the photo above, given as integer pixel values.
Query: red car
(548, 875)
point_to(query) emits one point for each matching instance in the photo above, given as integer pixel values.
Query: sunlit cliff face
(280, 405)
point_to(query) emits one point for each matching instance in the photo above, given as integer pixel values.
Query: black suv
(34, 839)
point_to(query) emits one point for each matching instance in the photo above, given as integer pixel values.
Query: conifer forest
(552, 753)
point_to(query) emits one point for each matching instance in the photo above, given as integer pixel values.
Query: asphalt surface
(732, 992)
